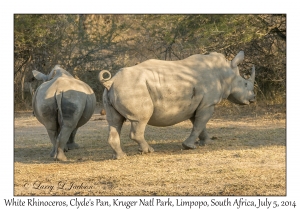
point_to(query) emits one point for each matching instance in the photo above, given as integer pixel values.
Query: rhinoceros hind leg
(119, 156)
(66, 148)
(52, 135)
(62, 139)
(71, 142)
(146, 149)
(73, 145)
(52, 153)
(115, 122)
(137, 134)
(60, 155)
(114, 141)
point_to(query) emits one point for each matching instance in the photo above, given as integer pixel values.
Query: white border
(9, 8)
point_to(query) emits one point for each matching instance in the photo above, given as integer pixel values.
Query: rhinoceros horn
(252, 78)
(237, 60)
(53, 72)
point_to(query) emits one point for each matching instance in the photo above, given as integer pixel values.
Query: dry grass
(248, 157)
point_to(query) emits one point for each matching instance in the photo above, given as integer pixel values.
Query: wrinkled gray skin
(62, 104)
(163, 93)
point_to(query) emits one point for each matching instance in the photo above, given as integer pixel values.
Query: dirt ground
(248, 157)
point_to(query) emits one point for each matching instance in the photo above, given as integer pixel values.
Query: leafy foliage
(86, 44)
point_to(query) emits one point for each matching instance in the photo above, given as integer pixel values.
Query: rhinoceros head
(241, 89)
(55, 72)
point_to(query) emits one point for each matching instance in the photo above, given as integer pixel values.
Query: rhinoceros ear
(39, 76)
(237, 60)
(52, 74)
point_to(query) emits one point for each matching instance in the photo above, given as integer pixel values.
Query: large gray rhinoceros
(62, 104)
(163, 93)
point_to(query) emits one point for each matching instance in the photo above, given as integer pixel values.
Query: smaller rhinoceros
(62, 104)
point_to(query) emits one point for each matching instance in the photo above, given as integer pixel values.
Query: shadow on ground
(32, 145)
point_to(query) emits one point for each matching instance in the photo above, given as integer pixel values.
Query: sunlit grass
(248, 157)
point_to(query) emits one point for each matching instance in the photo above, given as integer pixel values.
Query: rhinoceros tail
(107, 82)
(58, 97)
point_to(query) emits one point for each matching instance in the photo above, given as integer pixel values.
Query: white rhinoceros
(163, 93)
(62, 104)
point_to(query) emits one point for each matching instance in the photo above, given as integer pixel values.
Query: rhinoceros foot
(147, 149)
(72, 146)
(66, 148)
(205, 142)
(119, 156)
(61, 158)
(52, 153)
(188, 145)
(60, 155)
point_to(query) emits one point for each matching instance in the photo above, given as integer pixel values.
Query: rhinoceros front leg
(203, 137)
(137, 134)
(71, 142)
(199, 127)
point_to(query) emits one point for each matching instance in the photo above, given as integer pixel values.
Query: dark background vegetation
(86, 44)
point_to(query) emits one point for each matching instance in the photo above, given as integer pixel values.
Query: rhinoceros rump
(163, 93)
(62, 104)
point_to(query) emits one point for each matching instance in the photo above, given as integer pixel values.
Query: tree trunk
(23, 72)
(22, 85)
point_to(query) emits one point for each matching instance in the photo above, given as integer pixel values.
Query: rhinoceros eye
(246, 84)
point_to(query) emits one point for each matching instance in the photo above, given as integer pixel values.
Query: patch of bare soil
(248, 157)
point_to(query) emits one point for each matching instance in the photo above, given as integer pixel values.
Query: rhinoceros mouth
(244, 102)
(252, 101)
(247, 102)
(239, 102)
